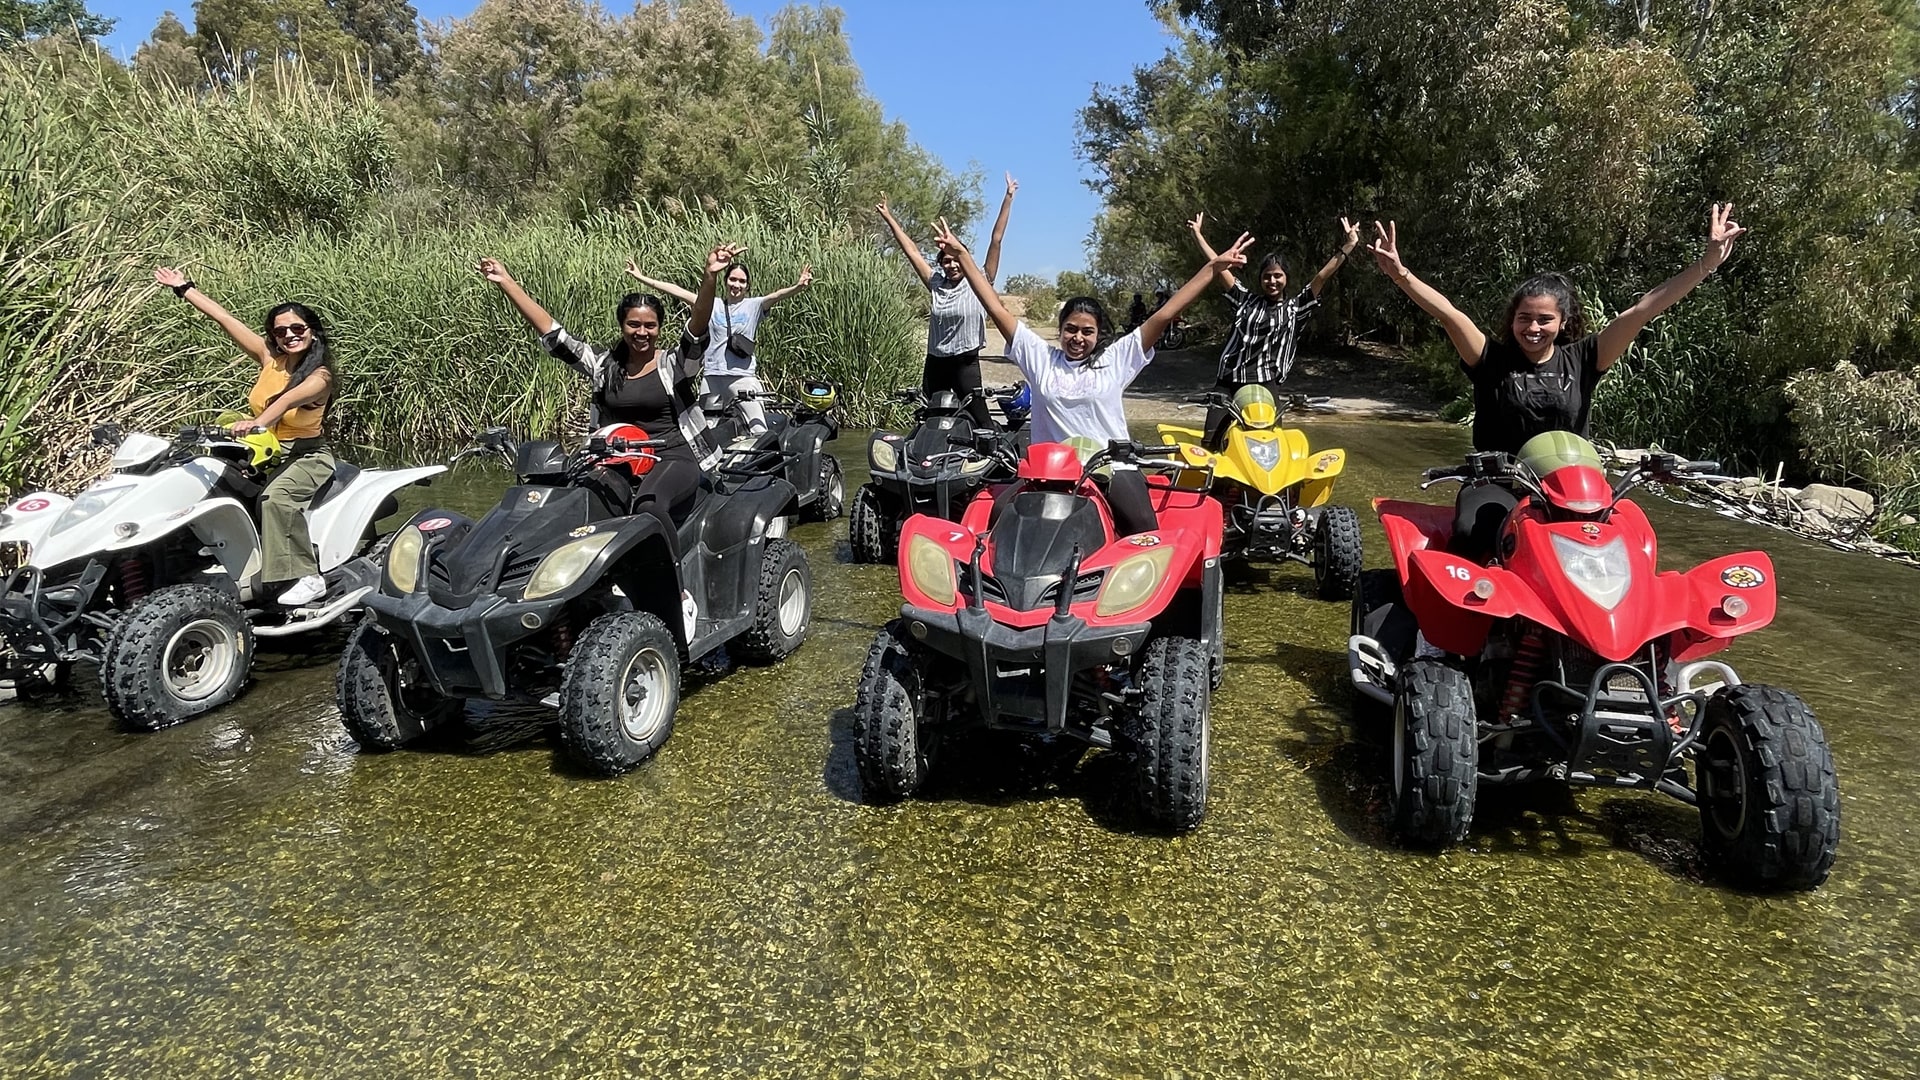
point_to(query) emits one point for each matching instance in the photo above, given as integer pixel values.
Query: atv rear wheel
(385, 702)
(782, 606)
(179, 652)
(830, 486)
(893, 746)
(1436, 754)
(620, 692)
(1769, 799)
(1336, 552)
(1172, 735)
(873, 535)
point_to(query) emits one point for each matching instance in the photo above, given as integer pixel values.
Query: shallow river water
(247, 894)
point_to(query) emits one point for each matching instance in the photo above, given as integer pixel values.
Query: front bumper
(1026, 674)
(50, 622)
(464, 651)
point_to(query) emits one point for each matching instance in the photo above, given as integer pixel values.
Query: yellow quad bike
(1274, 490)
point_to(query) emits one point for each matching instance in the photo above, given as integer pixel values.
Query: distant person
(1265, 338)
(1136, 312)
(289, 398)
(1539, 373)
(957, 324)
(732, 333)
(636, 381)
(1079, 385)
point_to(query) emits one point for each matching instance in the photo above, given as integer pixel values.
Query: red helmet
(637, 460)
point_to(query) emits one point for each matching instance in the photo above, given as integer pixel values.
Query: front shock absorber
(562, 637)
(133, 580)
(1528, 655)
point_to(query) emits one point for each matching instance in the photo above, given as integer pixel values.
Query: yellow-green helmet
(1256, 407)
(819, 394)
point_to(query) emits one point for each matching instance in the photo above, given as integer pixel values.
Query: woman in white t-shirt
(1079, 386)
(731, 334)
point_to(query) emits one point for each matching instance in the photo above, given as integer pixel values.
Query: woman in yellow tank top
(289, 398)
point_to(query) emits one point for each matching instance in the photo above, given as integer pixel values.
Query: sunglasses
(290, 330)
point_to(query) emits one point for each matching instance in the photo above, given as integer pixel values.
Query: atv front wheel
(620, 692)
(1769, 799)
(179, 652)
(1336, 552)
(893, 747)
(782, 606)
(830, 488)
(384, 700)
(872, 533)
(1172, 734)
(1436, 754)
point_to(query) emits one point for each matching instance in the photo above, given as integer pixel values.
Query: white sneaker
(305, 591)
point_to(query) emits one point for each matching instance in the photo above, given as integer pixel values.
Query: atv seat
(344, 475)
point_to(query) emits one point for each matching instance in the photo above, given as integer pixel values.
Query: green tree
(168, 55)
(24, 20)
(387, 33)
(236, 38)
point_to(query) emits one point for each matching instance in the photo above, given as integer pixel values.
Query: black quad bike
(936, 468)
(555, 597)
(792, 448)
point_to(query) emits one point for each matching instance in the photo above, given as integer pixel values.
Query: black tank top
(646, 401)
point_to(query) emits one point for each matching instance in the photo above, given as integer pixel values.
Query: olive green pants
(286, 551)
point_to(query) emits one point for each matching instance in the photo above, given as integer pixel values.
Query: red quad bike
(1031, 615)
(1568, 657)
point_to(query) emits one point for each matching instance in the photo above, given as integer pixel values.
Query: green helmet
(1551, 450)
(1256, 406)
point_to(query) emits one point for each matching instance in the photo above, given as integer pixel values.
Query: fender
(148, 503)
(1439, 592)
(1697, 597)
(749, 511)
(1412, 527)
(339, 525)
(1324, 469)
(640, 561)
(30, 518)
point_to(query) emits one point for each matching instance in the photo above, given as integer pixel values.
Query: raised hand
(885, 211)
(493, 270)
(1012, 185)
(1722, 231)
(168, 276)
(943, 236)
(1198, 223)
(1234, 257)
(1349, 234)
(633, 271)
(806, 275)
(1386, 250)
(722, 257)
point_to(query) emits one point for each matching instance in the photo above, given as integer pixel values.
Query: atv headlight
(1264, 452)
(1603, 572)
(884, 456)
(564, 565)
(1132, 581)
(90, 504)
(931, 570)
(403, 559)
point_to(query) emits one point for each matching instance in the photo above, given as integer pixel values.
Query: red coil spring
(1528, 655)
(563, 638)
(133, 580)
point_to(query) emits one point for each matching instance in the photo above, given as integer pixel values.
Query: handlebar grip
(1703, 466)
(1446, 472)
(1199, 399)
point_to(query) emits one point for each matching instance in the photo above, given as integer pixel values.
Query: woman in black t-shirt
(1540, 373)
(636, 381)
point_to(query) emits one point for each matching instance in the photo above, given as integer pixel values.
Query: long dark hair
(1089, 305)
(1573, 318)
(617, 352)
(317, 355)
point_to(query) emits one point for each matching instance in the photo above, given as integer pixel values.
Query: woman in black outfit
(1540, 373)
(635, 381)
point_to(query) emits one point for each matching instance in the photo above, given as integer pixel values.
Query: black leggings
(1216, 435)
(666, 491)
(1479, 512)
(960, 374)
(1128, 499)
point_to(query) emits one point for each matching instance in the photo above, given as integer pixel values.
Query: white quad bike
(153, 572)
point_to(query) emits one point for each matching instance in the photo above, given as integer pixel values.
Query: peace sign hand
(1350, 234)
(1012, 185)
(722, 257)
(943, 236)
(1722, 231)
(1386, 250)
(1235, 256)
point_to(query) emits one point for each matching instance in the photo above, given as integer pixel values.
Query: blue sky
(1020, 71)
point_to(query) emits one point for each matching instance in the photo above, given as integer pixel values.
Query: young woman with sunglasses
(289, 398)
